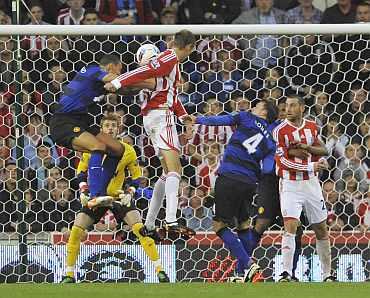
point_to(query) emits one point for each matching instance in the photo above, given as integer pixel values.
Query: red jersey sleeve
(157, 67)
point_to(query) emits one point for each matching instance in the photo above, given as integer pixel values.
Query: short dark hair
(108, 59)
(300, 99)
(184, 38)
(272, 110)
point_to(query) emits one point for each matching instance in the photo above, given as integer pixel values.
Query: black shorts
(65, 127)
(233, 200)
(268, 202)
(119, 211)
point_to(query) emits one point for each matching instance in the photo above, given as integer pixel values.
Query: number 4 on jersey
(251, 143)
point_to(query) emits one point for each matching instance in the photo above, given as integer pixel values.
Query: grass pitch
(187, 290)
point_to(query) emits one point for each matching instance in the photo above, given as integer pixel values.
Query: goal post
(232, 67)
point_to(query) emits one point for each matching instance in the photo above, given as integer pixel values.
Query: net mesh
(225, 74)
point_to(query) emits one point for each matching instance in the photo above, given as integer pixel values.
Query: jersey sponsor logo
(154, 63)
(76, 129)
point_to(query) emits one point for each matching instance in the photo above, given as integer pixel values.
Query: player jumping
(239, 172)
(160, 124)
(73, 128)
(123, 209)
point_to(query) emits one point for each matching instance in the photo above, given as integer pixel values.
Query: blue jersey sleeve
(268, 164)
(224, 120)
(94, 72)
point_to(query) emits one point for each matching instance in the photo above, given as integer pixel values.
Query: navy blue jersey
(86, 88)
(268, 164)
(250, 143)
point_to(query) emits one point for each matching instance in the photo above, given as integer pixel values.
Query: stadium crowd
(224, 75)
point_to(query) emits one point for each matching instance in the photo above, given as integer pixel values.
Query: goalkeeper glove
(126, 196)
(84, 193)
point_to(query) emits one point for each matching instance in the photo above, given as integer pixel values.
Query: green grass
(187, 290)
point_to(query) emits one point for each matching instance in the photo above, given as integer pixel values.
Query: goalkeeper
(123, 208)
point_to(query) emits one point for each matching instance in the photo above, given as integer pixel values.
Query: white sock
(155, 202)
(172, 189)
(287, 249)
(323, 250)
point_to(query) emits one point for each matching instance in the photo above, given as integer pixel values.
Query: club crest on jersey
(76, 129)
(261, 210)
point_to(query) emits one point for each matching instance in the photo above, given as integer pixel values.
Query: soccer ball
(145, 53)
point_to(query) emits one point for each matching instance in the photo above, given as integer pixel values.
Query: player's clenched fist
(110, 87)
(320, 165)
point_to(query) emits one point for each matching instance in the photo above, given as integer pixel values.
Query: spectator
(362, 130)
(335, 139)
(220, 11)
(334, 207)
(4, 18)
(263, 50)
(238, 103)
(282, 109)
(207, 171)
(61, 207)
(354, 112)
(4, 151)
(321, 109)
(8, 65)
(34, 216)
(121, 12)
(341, 13)
(8, 192)
(353, 161)
(6, 117)
(363, 13)
(310, 63)
(35, 43)
(74, 15)
(305, 13)
(198, 217)
(351, 190)
(363, 211)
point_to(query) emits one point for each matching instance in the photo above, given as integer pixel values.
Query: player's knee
(321, 231)
(290, 225)
(83, 221)
(262, 225)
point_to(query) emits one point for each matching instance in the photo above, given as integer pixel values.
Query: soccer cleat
(253, 270)
(258, 277)
(294, 279)
(285, 277)
(163, 277)
(102, 201)
(68, 280)
(330, 278)
(174, 230)
(154, 234)
(236, 279)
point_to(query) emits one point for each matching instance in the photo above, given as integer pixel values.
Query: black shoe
(68, 280)
(155, 234)
(285, 277)
(163, 277)
(330, 278)
(294, 279)
(174, 231)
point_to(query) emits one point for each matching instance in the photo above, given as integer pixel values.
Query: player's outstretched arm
(223, 120)
(135, 88)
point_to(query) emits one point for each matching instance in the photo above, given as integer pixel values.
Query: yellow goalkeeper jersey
(128, 161)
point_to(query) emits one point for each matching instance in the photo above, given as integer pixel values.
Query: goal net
(232, 67)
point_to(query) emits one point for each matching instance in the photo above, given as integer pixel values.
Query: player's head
(295, 106)
(266, 109)
(109, 125)
(111, 64)
(184, 42)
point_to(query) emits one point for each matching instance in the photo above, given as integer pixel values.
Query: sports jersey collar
(292, 124)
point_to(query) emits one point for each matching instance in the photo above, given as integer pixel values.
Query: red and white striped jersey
(65, 17)
(165, 69)
(286, 135)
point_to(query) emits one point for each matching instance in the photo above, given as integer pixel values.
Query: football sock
(155, 202)
(73, 249)
(250, 239)
(236, 248)
(149, 247)
(171, 190)
(95, 172)
(298, 248)
(288, 248)
(323, 250)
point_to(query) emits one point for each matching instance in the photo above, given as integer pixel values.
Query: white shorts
(160, 126)
(305, 195)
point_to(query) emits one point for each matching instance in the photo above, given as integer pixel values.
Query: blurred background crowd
(225, 74)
